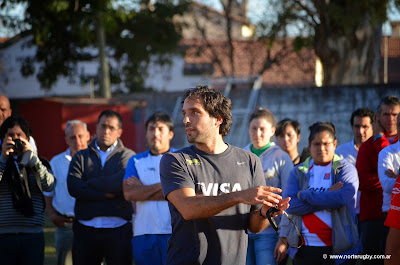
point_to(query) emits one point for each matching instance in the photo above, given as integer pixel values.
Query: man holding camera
(59, 204)
(373, 234)
(23, 178)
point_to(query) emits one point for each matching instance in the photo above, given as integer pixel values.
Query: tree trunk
(352, 59)
(105, 90)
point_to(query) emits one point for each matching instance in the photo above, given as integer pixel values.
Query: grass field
(49, 251)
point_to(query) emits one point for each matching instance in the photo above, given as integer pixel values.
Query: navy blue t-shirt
(221, 239)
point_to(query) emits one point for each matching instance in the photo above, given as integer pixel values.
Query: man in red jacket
(373, 234)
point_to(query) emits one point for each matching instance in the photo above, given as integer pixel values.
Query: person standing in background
(265, 247)
(152, 223)
(59, 204)
(361, 125)
(373, 236)
(288, 137)
(102, 215)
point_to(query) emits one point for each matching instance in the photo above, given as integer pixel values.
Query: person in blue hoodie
(323, 191)
(264, 247)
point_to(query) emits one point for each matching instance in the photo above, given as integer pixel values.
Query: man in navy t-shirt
(215, 191)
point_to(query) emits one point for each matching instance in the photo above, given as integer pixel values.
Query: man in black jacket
(102, 227)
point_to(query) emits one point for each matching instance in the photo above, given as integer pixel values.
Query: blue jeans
(63, 244)
(150, 249)
(260, 250)
(22, 249)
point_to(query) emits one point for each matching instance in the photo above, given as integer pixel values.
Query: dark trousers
(307, 255)
(22, 249)
(373, 239)
(92, 245)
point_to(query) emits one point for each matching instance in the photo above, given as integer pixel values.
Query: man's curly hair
(215, 103)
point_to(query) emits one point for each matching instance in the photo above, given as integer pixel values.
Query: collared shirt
(388, 159)
(104, 154)
(105, 221)
(63, 202)
(350, 151)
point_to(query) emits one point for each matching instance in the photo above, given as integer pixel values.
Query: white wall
(14, 85)
(171, 78)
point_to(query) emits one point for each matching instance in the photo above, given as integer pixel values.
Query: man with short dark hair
(361, 124)
(215, 191)
(152, 223)
(102, 227)
(373, 235)
(59, 204)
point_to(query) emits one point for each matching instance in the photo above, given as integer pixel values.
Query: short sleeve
(259, 179)
(130, 169)
(174, 174)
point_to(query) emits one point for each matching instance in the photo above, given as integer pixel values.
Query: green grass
(49, 250)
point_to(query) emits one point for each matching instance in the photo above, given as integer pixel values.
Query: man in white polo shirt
(59, 204)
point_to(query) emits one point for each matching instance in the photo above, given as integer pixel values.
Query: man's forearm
(393, 246)
(49, 205)
(193, 206)
(256, 222)
(142, 192)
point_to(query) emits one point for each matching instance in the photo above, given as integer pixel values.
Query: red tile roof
(249, 58)
(4, 39)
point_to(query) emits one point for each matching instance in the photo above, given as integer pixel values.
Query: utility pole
(105, 90)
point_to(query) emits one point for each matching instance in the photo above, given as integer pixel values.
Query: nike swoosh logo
(241, 163)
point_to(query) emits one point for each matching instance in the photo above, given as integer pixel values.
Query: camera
(273, 209)
(18, 146)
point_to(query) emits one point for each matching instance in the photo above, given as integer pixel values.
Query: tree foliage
(234, 55)
(345, 35)
(64, 33)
